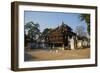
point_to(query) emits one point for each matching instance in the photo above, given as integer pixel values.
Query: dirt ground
(42, 54)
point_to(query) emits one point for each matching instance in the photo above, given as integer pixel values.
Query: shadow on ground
(28, 57)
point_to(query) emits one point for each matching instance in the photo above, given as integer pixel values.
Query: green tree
(33, 30)
(86, 18)
(45, 31)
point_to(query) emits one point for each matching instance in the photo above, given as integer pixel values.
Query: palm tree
(86, 18)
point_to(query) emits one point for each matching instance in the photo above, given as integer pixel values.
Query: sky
(54, 19)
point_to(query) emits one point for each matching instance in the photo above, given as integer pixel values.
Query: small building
(83, 42)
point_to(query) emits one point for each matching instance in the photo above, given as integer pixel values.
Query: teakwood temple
(62, 38)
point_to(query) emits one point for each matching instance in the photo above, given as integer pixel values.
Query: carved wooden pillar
(63, 46)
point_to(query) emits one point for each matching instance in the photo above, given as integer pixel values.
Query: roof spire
(58, 25)
(62, 22)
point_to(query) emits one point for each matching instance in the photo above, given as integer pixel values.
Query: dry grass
(39, 54)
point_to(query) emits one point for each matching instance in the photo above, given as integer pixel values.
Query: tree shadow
(28, 57)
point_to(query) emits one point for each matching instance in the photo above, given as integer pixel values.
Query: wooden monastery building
(61, 37)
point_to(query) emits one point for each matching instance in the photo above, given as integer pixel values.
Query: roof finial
(62, 22)
(58, 26)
